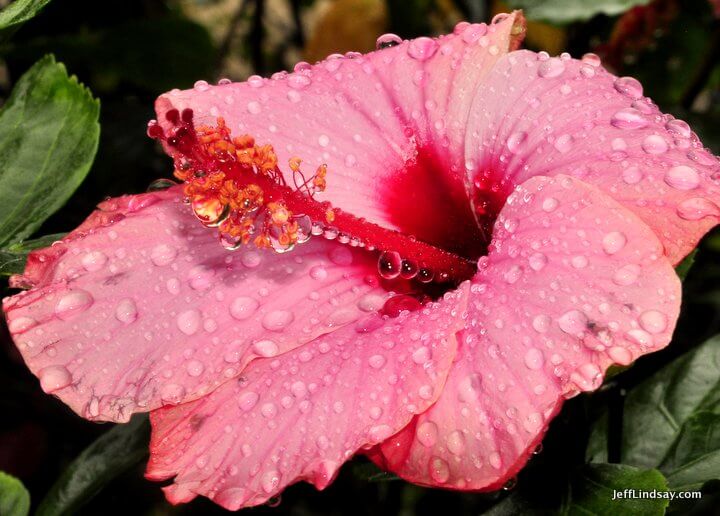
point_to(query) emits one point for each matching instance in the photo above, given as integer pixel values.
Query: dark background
(130, 51)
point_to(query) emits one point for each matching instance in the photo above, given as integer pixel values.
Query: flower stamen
(235, 185)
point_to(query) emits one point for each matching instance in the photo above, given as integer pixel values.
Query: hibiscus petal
(301, 415)
(381, 122)
(574, 282)
(142, 306)
(544, 116)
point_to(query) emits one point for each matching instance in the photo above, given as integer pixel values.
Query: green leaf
(14, 498)
(594, 489)
(18, 13)
(684, 266)
(13, 258)
(49, 134)
(113, 453)
(671, 421)
(566, 11)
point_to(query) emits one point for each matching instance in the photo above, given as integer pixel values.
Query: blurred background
(129, 51)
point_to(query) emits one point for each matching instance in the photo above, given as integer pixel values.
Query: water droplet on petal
(389, 264)
(516, 141)
(94, 261)
(697, 208)
(653, 321)
(552, 67)
(629, 86)
(266, 348)
(243, 307)
(270, 481)
(54, 378)
(163, 254)
(573, 322)
(126, 311)
(682, 177)
(534, 359)
(189, 321)
(387, 41)
(654, 144)
(439, 470)
(427, 433)
(628, 118)
(247, 400)
(277, 320)
(73, 303)
(613, 242)
(422, 48)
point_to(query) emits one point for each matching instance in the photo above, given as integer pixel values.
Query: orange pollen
(232, 184)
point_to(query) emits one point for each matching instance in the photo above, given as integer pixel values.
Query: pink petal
(142, 306)
(574, 283)
(302, 415)
(536, 115)
(390, 125)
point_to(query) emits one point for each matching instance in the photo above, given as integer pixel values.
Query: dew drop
(389, 264)
(266, 348)
(629, 86)
(439, 470)
(94, 261)
(614, 242)
(682, 177)
(534, 359)
(697, 208)
(387, 41)
(422, 48)
(243, 307)
(54, 378)
(653, 321)
(163, 254)
(247, 400)
(550, 68)
(516, 141)
(573, 322)
(270, 481)
(277, 320)
(427, 433)
(628, 118)
(73, 303)
(189, 321)
(654, 144)
(126, 311)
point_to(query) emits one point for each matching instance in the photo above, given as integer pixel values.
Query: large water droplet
(628, 118)
(277, 320)
(387, 41)
(629, 86)
(534, 359)
(266, 348)
(54, 378)
(613, 242)
(389, 264)
(189, 321)
(126, 311)
(427, 433)
(682, 177)
(422, 48)
(439, 470)
(94, 261)
(697, 208)
(516, 141)
(73, 303)
(163, 254)
(552, 67)
(243, 307)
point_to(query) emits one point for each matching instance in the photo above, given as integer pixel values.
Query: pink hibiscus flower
(488, 230)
